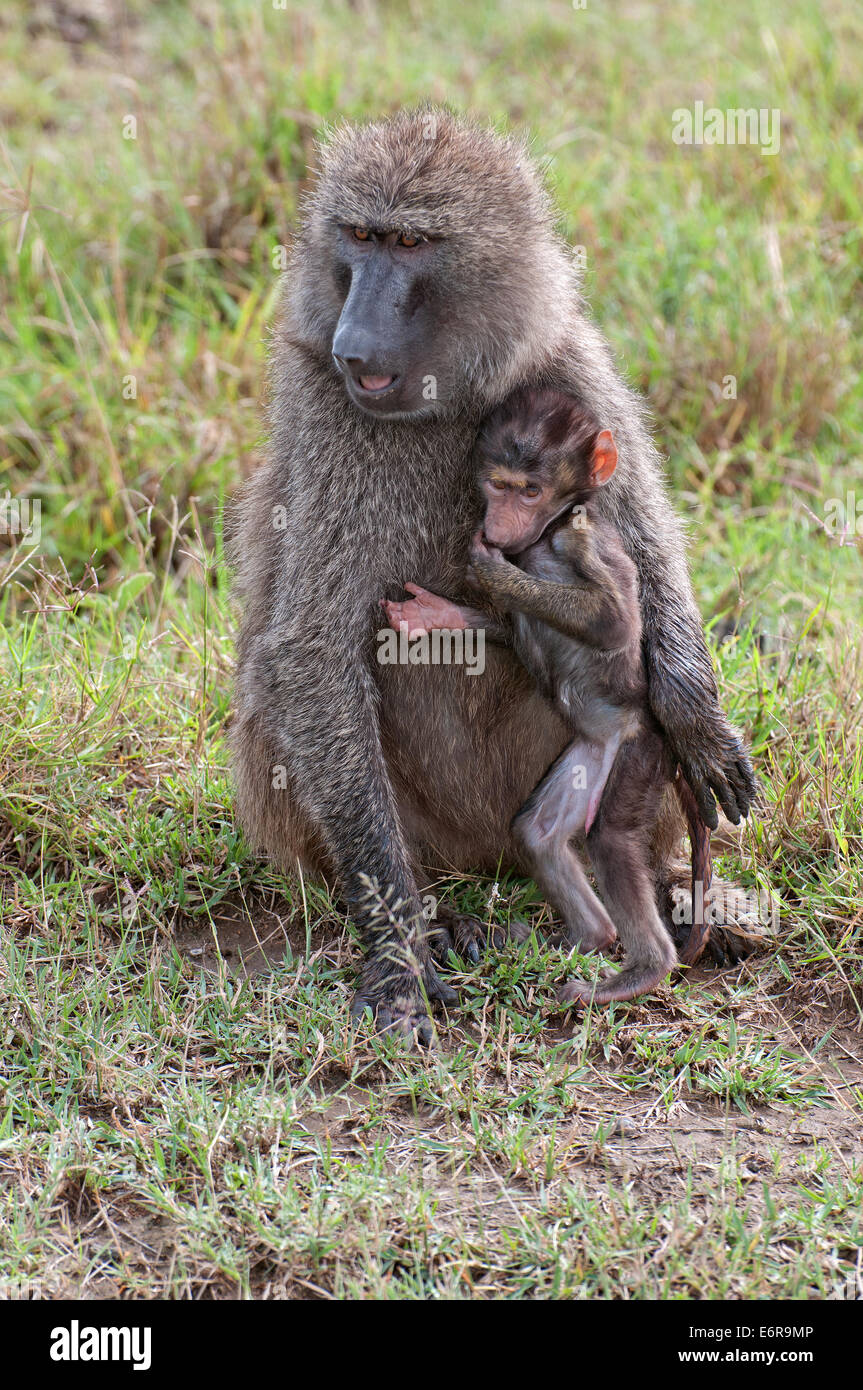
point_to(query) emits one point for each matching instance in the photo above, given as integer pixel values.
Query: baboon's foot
(438, 991)
(469, 936)
(724, 946)
(399, 1006)
(613, 986)
(697, 941)
(737, 935)
(574, 938)
(708, 944)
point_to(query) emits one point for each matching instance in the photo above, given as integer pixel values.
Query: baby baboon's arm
(591, 610)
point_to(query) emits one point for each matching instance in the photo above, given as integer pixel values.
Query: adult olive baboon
(426, 284)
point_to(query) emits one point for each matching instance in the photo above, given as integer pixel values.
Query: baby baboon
(427, 282)
(572, 593)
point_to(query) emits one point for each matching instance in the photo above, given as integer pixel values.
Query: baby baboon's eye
(532, 490)
(407, 240)
(362, 233)
(498, 484)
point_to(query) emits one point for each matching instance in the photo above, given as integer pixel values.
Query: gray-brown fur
(389, 766)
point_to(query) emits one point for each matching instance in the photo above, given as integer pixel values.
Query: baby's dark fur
(572, 593)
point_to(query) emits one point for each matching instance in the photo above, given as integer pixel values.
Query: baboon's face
(385, 342)
(426, 264)
(518, 507)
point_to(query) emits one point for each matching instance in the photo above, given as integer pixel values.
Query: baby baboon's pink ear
(604, 458)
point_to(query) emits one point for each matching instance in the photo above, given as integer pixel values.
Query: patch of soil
(251, 938)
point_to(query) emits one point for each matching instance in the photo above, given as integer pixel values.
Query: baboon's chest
(422, 519)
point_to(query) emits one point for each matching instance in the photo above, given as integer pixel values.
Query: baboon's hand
(481, 551)
(586, 551)
(423, 613)
(485, 562)
(714, 762)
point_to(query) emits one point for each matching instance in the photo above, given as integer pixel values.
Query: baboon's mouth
(375, 384)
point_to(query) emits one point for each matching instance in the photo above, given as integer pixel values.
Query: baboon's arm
(684, 698)
(593, 611)
(681, 684)
(682, 688)
(322, 710)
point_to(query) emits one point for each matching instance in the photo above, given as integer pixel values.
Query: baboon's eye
(361, 233)
(407, 240)
(532, 490)
(498, 484)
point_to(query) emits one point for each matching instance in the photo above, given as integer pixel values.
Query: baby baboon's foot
(724, 946)
(576, 938)
(697, 941)
(613, 986)
(469, 936)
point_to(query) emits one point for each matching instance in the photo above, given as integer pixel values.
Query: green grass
(178, 1120)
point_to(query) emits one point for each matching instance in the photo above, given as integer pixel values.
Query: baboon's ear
(604, 459)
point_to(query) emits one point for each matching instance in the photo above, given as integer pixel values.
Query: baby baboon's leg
(618, 846)
(544, 829)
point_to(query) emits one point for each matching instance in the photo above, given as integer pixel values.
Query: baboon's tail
(702, 872)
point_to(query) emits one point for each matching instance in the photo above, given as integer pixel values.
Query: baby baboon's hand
(578, 542)
(485, 560)
(481, 550)
(424, 612)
